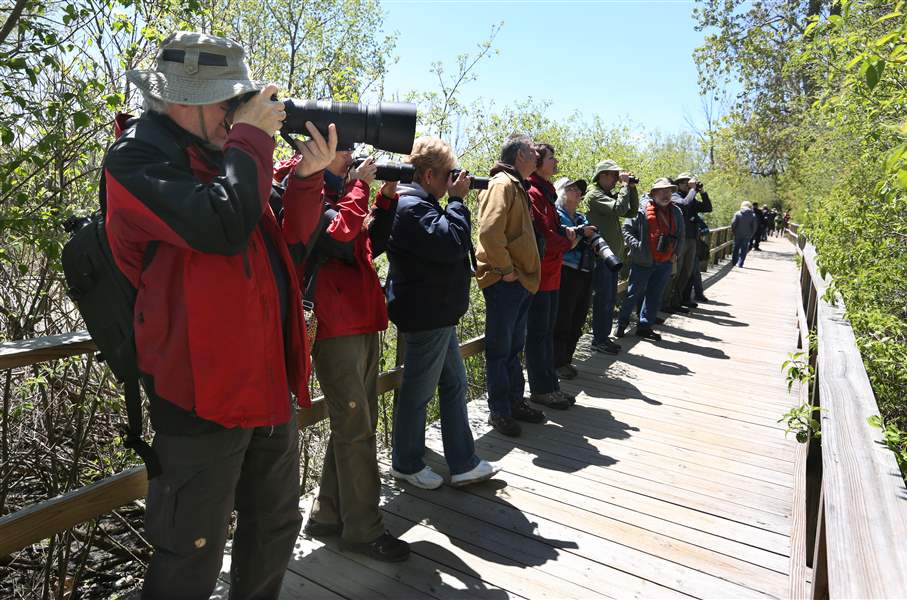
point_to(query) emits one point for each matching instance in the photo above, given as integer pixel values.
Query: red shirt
(548, 224)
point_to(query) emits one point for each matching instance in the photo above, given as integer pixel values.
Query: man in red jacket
(556, 241)
(351, 312)
(219, 330)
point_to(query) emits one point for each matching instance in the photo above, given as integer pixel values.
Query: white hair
(745, 205)
(152, 104)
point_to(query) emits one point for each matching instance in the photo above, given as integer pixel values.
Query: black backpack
(106, 300)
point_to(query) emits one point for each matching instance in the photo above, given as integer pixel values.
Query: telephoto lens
(602, 250)
(389, 126)
(475, 183)
(391, 171)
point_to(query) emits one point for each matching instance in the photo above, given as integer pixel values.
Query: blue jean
(604, 296)
(645, 283)
(432, 360)
(506, 311)
(741, 247)
(540, 343)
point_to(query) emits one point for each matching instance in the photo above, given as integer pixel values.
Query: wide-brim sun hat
(663, 183)
(605, 166)
(196, 68)
(685, 176)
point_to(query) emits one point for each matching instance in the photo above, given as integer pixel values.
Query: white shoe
(481, 472)
(425, 479)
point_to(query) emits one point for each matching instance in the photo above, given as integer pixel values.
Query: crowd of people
(225, 344)
(752, 225)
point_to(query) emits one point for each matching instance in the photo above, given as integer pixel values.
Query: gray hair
(152, 104)
(745, 205)
(512, 146)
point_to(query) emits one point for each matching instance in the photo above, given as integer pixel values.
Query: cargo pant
(204, 477)
(347, 370)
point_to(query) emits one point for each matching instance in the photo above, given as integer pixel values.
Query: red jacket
(207, 315)
(349, 299)
(547, 222)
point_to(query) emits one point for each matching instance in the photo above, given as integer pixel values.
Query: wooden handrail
(42, 520)
(859, 521)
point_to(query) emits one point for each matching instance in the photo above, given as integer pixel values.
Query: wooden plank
(798, 588)
(530, 550)
(661, 561)
(864, 496)
(40, 521)
(496, 569)
(21, 353)
(492, 448)
(624, 458)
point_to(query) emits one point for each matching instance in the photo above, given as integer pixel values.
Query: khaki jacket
(506, 237)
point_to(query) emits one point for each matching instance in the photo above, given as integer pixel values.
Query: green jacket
(607, 211)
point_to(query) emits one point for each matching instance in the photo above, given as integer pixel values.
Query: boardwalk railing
(850, 511)
(44, 519)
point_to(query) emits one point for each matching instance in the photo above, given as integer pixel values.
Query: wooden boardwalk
(670, 477)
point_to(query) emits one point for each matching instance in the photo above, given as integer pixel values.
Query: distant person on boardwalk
(744, 226)
(508, 271)
(655, 237)
(431, 269)
(760, 225)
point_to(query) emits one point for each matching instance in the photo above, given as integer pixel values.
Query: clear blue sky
(617, 60)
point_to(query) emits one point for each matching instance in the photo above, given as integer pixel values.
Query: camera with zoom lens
(698, 186)
(389, 126)
(663, 242)
(633, 179)
(602, 250)
(404, 173)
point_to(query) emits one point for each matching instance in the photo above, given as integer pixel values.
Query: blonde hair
(745, 205)
(431, 153)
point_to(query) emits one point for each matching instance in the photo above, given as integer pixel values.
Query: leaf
(872, 71)
(809, 28)
(835, 19)
(80, 119)
(7, 136)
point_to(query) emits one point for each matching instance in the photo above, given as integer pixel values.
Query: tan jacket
(506, 237)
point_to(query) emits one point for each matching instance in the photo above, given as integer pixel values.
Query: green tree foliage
(827, 85)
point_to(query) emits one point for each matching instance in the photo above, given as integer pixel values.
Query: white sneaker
(482, 472)
(425, 479)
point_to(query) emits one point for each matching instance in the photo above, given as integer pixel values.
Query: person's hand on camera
(510, 277)
(459, 187)
(366, 171)
(571, 234)
(589, 230)
(262, 112)
(624, 178)
(317, 153)
(389, 190)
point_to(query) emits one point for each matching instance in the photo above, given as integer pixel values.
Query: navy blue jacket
(430, 266)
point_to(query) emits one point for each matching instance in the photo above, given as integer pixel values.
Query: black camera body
(698, 186)
(634, 179)
(663, 240)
